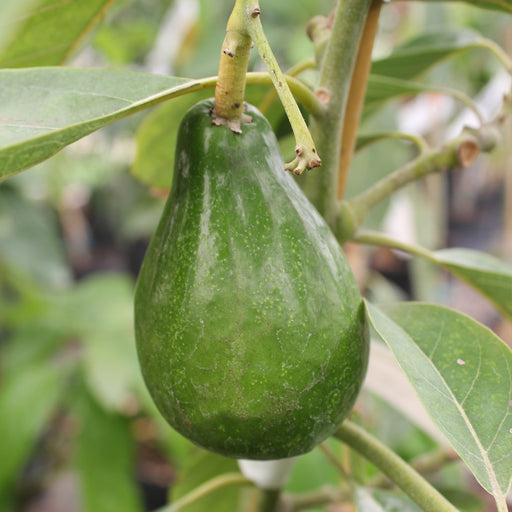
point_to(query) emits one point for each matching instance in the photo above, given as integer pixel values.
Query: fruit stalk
(234, 61)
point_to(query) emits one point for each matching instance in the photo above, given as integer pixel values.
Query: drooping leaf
(462, 374)
(104, 459)
(487, 274)
(44, 32)
(46, 109)
(27, 400)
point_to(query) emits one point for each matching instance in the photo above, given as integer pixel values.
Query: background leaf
(420, 53)
(105, 458)
(109, 357)
(462, 373)
(39, 118)
(23, 225)
(27, 400)
(44, 32)
(199, 468)
(497, 5)
(156, 141)
(487, 274)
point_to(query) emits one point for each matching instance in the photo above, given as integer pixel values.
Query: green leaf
(27, 400)
(383, 88)
(496, 5)
(487, 274)
(201, 468)
(100, 312)
(368, 500)
(156, 141)
(104, 459)
(462, 374)
(416, 55)
(44, 110)
(313, 470)
(29, 240)
(44, 32)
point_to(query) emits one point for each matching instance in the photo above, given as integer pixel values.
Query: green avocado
(249, 324)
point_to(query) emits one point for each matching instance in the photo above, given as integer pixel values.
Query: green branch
(459, 152)
(335, 77)
(395, 468)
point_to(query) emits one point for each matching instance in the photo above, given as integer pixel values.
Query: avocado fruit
(249, 324)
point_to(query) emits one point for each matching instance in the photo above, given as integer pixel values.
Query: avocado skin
(249, 324)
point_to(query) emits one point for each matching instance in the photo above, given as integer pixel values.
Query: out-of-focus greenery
(72, 235)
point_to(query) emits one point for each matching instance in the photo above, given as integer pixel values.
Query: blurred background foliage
(77, 428)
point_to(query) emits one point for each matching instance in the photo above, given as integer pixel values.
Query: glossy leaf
(45, 109)
(462, 374)
(104, 459)
(44, 32)
(27, 400)
(487, 274)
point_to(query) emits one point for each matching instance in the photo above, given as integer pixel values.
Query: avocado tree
(251, 331)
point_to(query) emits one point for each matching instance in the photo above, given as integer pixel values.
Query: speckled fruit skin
(249, 324)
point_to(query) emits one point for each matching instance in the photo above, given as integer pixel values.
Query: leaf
(104, 459)
(416, 55)
(368, 500)
(27, 400)
(462, 374)
(29, 240)
(383, 88)
(199, 469)
(313, 470)
(100, 312)
(487, 274)
(156, 141)
(497, 5)
(44, 32)
(46, 109)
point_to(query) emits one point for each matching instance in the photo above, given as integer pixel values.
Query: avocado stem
(234, 61)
